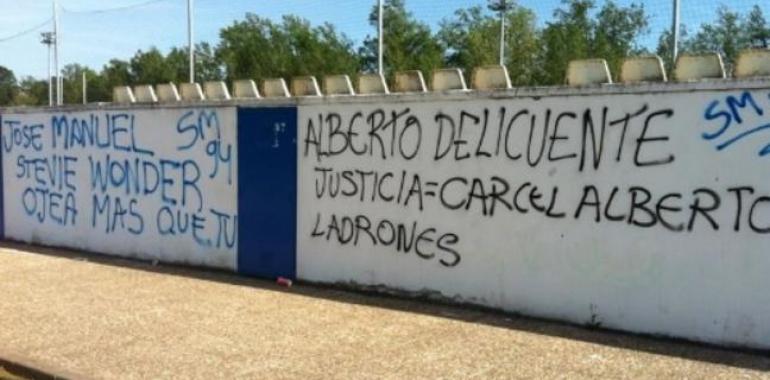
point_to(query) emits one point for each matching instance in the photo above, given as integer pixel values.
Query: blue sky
(92, 38)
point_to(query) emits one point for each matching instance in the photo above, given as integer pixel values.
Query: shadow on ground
(754, 360)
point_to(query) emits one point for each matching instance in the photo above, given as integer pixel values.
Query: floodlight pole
(50, 78)
(190, 43)
(501, 6)
(47, 39)
(502, 37)
(59, 84)
(675, 31)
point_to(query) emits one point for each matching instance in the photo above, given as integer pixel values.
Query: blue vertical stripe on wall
(267, 191)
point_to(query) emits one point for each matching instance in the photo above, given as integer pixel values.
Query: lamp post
(502, 6)
(47, 38)
(675, 32)
(190, 43)
(380, 37)
(56, 40)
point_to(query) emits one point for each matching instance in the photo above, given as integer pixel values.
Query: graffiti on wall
(485, 160)
(149, 179)
(728, 113)
(638, 210)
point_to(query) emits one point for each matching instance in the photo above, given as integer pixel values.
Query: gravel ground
(5, 375)
(106, 318)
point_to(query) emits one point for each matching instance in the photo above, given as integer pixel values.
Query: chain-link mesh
(541, 35)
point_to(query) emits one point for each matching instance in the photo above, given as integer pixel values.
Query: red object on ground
(283, 281)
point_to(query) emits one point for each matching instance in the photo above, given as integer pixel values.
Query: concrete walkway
(104, 318)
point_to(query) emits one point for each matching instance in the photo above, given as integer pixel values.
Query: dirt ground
(108, 318)
(5, 375)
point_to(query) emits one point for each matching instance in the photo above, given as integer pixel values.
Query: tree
(471, 39)
(96, 88)
(565, 39)
(207, 67)
(117, 73)
(409, 44)
(246, 48)
(8, 86)
(725, 36)
(665, 49)
(575, 35)
(150, 67)
(756, 28)
(258, 48)
(31, 92)
(729, 34)
(615, 33)
(320, 50)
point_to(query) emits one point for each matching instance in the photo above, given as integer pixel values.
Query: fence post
(85, 89)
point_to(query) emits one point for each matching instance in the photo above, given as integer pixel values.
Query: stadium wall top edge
(451, 95)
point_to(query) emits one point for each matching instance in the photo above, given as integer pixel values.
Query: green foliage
(575, 34)
(409, 44)
(730, 34)
(151, 67)
(31, 92)
(258, 48)
(615, 33)
(117, 73)
(207, 67)
(96, 89)
(8, 86)
(471, 39)
(756, 28)
(665, 50)
(565, 39)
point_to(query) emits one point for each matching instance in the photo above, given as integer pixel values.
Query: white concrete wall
(692, 261)
(180, 206)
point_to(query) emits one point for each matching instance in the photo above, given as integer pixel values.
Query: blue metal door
(267, 191)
